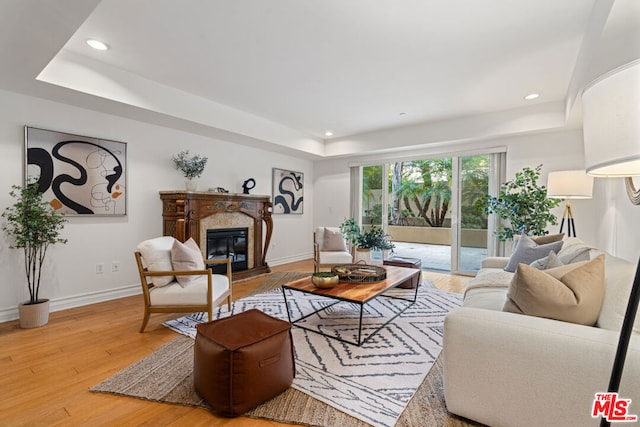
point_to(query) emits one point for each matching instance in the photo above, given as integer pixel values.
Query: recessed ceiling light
(328, 133)
(97, 44)
(531, 96)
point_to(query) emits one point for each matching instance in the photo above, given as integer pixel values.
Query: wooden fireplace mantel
(182, 212)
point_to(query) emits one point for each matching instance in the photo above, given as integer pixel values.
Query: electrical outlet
(115, 267)
(100, 268)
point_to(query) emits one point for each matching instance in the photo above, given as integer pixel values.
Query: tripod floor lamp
(567, 185)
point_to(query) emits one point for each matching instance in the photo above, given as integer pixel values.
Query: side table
(397, 261)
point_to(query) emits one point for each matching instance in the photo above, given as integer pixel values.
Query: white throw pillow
(156, 254)
(574, 250)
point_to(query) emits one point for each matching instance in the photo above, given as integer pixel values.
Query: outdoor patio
(438, 257)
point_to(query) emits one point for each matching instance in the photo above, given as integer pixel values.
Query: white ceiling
(283, 72)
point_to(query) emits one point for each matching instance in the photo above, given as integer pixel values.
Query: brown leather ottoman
(242, 361)
(408, 263)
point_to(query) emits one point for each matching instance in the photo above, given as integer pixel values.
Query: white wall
(606, 221)
(71, 277)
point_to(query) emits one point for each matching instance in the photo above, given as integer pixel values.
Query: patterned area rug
(373, 382)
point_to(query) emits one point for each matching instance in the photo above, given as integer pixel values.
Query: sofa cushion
(527, 251)
(333, 240)
(571, 293)
(156, 254)
(618, 282)
(186, 256)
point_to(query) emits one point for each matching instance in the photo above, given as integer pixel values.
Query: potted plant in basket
(523, 203)
(32, 225)
(190, 166)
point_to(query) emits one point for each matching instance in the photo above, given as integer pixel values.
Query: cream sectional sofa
(507, 369)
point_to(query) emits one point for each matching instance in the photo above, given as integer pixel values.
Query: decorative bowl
(325, 279)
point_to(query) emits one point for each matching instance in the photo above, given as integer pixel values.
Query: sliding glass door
(469, 230)
(428, 207)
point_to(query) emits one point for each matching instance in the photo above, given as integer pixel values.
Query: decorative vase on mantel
(191, 184)
(34, 315)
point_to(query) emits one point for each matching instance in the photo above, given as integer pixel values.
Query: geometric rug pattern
(373, 382)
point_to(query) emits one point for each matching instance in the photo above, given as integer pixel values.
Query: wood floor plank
(46, 373)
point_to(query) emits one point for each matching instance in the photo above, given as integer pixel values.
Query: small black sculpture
(245, 186)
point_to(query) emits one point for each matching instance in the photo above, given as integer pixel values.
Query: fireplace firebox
(228, 243)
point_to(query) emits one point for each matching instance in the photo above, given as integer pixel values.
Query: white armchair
(330, 248)
(175, 279)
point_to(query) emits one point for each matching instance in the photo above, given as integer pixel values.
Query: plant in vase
(369, 244)
(190, 166)
(32, 225)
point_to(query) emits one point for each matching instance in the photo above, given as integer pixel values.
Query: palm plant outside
(421, 189)
(424, 190)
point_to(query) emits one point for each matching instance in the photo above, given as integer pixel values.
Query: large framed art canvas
(288, 191)
(78, 175)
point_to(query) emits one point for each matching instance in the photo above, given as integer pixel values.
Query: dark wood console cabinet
(185, 214)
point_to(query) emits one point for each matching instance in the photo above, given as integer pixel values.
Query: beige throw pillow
(571, 293)
(186, 256)
(333, 241)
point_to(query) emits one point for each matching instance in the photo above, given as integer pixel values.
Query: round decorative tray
(360, 273)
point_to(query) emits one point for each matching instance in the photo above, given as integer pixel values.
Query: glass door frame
(497, 173)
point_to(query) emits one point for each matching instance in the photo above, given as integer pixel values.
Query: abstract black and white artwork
(288, 191)
(78, 175)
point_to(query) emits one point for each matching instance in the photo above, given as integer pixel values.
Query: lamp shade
(611, 123)
(575, 184)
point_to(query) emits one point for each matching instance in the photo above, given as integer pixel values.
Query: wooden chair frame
(208, 306)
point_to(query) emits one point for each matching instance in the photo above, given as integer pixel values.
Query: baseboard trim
(58, 304)
(287, 260)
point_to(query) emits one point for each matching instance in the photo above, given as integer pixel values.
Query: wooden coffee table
(356, 293)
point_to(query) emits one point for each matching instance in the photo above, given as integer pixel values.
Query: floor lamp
(611, 107)
(567, 185)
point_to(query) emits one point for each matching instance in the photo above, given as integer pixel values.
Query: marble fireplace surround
(188, 214)
(224, 220)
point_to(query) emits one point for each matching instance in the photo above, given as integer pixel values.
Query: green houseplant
(523, 203)
(190, 166)
(366, 242)
(32, 225)
(374, 239)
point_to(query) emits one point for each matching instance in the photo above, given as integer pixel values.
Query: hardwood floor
(47, 372)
